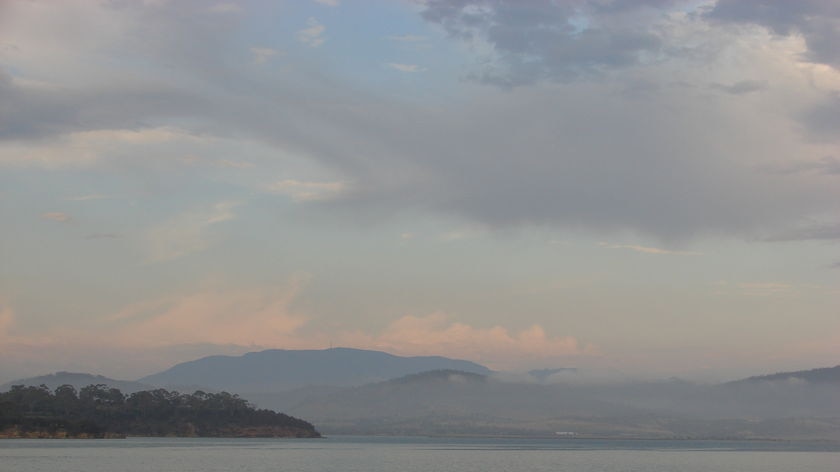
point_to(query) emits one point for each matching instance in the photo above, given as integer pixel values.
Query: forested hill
(825, 375)
(97, 411)
(78, 380)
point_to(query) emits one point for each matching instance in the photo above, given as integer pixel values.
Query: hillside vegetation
(97, 411)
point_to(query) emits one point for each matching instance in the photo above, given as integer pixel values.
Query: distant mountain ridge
(352, 391)
(545, 374)
(447, 402)
(448, 391)
(280, 370)
(817, 376)
(77, 380)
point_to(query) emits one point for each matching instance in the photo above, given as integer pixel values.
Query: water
(367, 454)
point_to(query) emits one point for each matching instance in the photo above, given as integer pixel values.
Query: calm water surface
(366, 454)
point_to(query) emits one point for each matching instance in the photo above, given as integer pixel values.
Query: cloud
(465, 232)
(187, 233)
(329, 3)
(257, 316)
(818, 232)
(826, 165)
(741, 88)
(649, 250)
(571, 151)
(766, 289)
(32, 110)
(153, 334)
(313, 34)
(672, 175)
(226, 8)
(824, 231)
(435, 334)
(408, 38)
(262, 317)
(564, 153)
(235, 164)
(823, 119)
(263, 55)
(405, 67)
(57, 216)
(816, 20)
(7, 320)
(824, 348)
(103, 236)
(84, 198)
(87, 148)
(302, 191)
(555, 41)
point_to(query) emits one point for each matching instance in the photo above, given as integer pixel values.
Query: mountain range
(821, 375)
(450, 402)
(279, 370)
(78, 380)
(369, 392)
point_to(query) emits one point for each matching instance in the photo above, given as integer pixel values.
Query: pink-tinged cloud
(649, 250)
(152, 335)
(87, 148)
(826, 347)
(263, 318)
(313, 34)
(410, 68)
(226, 8)
(7, 318)
(56, 216)
(242, 317)
(301, 191)
(263, 55)
(109, 347)
(186, 233)
(496, 346)
(766, 289)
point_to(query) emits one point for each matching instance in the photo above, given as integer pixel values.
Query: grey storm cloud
(551, 40)
(827, 165)
(570, 157)
(811, 233)
(823, 119)
(31, 112)
(818, 21)
(574, 154)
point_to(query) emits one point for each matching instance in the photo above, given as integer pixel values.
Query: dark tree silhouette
(99, 411)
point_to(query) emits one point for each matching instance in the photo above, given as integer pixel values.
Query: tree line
(98, 411)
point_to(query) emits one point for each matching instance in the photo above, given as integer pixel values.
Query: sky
(645, 187)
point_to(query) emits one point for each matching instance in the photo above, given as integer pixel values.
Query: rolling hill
(77, 380)
(281, 370)
(825, 375)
